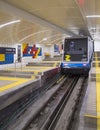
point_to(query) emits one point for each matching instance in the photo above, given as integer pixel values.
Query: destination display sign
(7, 50)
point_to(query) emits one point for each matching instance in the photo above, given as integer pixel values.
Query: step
(90, 113)
(94, 63)
(39, 64)
(16, 71)
(16, 75)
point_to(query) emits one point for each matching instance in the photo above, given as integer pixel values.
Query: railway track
(65, 121)
(46, 112)
(15, 110)
(57, 113)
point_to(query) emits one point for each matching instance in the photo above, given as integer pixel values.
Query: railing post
(16, 63)
(21, 63)
(15, 68)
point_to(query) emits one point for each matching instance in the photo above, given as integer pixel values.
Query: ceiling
(48, 21)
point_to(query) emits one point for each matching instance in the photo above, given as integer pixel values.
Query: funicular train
(77, 55)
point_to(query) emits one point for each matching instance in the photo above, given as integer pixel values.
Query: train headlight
(65, 64)
(84, 64)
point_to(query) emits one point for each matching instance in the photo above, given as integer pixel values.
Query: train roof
(77, 37)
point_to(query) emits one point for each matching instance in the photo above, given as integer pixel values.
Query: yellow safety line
(33, 70)
(40, 67)
(9, 78)
(97, 93)
(26, 69)
(91, 116)
(55, 64)
(14, 84)
(17, 81)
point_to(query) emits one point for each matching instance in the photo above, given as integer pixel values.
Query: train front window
(76, 50)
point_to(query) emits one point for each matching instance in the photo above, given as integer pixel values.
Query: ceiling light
(93, 16)
(49, 44)
(33, 34)
(12, 22)
(44, 39)
(92, 28)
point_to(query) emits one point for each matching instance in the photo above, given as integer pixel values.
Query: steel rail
(12, 112)
(51, 121)
(67, 90)
(66, 118)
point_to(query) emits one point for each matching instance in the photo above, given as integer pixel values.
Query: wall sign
(7, 55)
(32, 51)
(6, 50)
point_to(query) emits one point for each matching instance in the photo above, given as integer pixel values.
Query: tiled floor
(88, 108)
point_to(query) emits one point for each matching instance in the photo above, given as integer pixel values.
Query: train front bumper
(75, 68)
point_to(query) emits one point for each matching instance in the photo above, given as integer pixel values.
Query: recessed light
(93, 16)
(44, 39)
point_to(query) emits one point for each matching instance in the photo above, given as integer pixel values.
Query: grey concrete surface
(5, 82)
(88, 108)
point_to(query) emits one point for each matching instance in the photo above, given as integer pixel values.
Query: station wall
(48, 50)
(26, 59)
(97, 45)
(45, 49)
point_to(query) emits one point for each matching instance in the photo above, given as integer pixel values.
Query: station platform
(90, 111)
(15, 83)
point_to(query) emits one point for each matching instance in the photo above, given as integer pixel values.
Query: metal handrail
(17, 62)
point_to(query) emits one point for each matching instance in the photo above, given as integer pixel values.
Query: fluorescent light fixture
(33, 34)
(93, 28)
(49, 44)
(12, 22)
(44, 39)
(93, 16)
